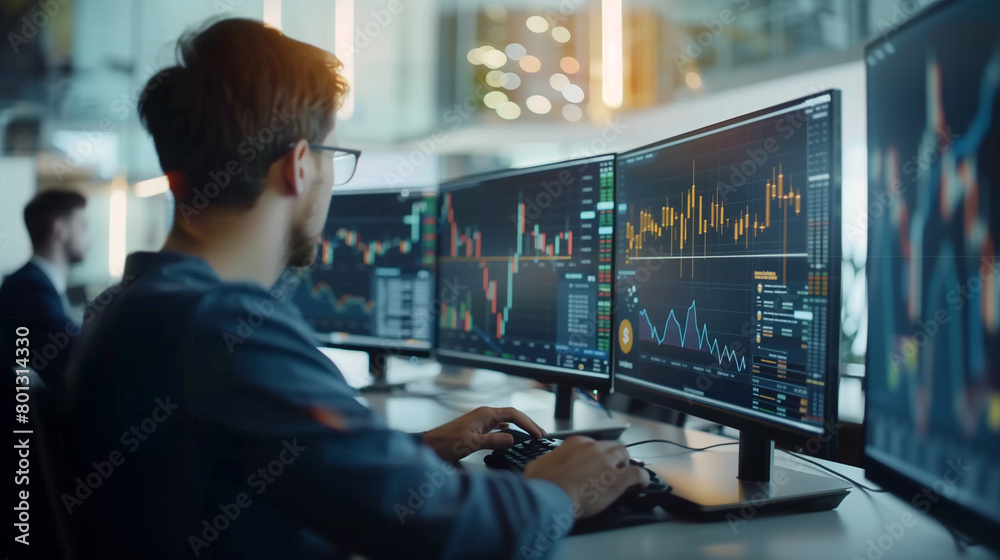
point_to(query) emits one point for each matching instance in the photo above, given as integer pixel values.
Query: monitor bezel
(960, 517)
(390, 347)
(516, 368)
(782, 434)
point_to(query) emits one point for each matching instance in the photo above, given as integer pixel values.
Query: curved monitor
(933, 374)
(372, 283)
(524, 271)
(727, 272)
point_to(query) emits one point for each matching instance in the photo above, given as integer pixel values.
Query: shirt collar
(56, 276)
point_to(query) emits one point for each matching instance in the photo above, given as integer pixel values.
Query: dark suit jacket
(210, 426)
(28, 299)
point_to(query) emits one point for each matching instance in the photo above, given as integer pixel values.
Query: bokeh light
(561, 34)
(558, 81)
(496, 12)
(538, 24)
(494, 59)
(494, 99)
(569, 65)
(509, 110)
(539, 104)
(572, 113)
(693, 80)
(510, 80)
(573, 93)
(494, 78)
(515, 51)
(530, 64)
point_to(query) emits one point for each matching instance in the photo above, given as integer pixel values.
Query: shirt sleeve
(368, 489)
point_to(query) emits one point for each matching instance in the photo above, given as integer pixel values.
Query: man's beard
(75, 257)
(301, 248)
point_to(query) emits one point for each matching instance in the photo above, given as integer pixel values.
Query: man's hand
(592, 473)
(471, 432)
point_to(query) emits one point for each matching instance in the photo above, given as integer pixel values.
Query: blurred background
(440, 88)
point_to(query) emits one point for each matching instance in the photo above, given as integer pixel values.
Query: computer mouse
(646, 498)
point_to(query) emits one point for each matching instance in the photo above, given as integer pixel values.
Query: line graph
(678, 337)
(321, 291)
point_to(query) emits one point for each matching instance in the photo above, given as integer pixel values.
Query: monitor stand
(718, 484)
(377, 362)
(566, 425)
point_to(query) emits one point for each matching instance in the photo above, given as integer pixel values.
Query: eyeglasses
(345, 161)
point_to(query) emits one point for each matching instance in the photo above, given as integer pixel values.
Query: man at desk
(216, 427)
(34, 297)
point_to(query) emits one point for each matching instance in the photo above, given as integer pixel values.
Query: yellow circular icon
(760, 288)
(625, 336)
(759, 315)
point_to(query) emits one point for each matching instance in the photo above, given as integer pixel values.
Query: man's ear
(298, 169)
(60, 229)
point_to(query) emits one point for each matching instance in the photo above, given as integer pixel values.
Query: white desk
(852, 531)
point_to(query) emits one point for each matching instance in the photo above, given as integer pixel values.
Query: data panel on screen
(372, 283)
(723, 264)
(524, 260)
(933, 366)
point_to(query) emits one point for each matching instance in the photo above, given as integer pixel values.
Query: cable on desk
(833, 472)
(643, 442)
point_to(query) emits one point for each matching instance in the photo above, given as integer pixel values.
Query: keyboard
(519, 455)
(634, 499)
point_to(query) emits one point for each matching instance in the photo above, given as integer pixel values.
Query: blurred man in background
(34, 297)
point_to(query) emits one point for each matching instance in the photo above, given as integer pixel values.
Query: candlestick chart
(532, 262)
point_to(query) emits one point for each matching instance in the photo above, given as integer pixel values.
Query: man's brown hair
(240, 94)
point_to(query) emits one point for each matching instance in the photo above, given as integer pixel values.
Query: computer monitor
(728, 295)
(524, 274)
(933, 368)
(371, 287)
